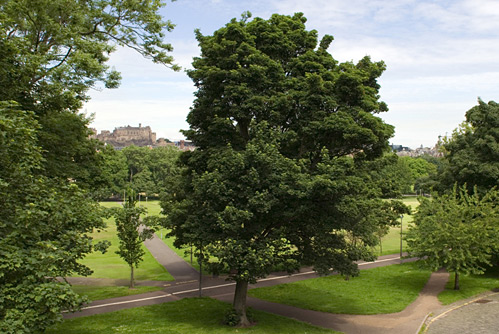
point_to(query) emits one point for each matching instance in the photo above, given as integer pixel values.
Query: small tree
(131, 233)
(456, 231)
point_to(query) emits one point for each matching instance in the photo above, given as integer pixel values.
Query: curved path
(406, 321)
(186, 285)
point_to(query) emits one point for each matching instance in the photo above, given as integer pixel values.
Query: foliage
(392, 176)
(231, 317)
(193, 316)
(419, 167)
(472, 285)
(377, 290)
(427, 182)
(111, 265)
(457, 231)
(44, 231)
(400, 175)
(114, 170)
(472, 153)
(131, 233)
(53, 51)
(151, 171)
(420, 171)
(284, 136)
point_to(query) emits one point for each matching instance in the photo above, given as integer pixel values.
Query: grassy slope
(469, 286)
(186, 316)
(391, 242)
(110, 265)
(378, 290)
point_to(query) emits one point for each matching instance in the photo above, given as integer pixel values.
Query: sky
(441, 56)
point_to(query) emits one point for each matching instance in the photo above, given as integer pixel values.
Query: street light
(401, 217)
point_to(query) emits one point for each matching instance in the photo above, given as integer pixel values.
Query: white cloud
(440, 56)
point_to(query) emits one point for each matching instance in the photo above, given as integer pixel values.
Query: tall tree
(51, 53)
(456, 231)
(283, 134)
(472, 153)
(44, 231)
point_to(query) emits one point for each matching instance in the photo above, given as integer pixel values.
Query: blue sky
(440, 56)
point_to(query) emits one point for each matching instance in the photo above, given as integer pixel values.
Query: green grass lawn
(104, 292)
(391, 241)
(153, 207)
(379, 290)
(186, 316)
(470, 285)
(110, 265)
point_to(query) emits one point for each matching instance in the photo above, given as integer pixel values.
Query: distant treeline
(148, 171)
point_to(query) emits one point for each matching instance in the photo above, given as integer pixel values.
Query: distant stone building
(139, 136)
(128, 135)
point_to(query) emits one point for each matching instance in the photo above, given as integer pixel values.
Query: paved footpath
(407, 321)
(176, 266)
(186, 285)
(476, 315)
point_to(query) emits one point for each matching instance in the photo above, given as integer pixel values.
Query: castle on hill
(139, 136)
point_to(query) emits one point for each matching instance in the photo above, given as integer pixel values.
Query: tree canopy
(51, 53)
(457, 231)
(130, 233)
(472, 153)
(142, 169)
(44, 228)
(284, 135)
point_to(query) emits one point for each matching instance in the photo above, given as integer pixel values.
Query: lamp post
(401, 217)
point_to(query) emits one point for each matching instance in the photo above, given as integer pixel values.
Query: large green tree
(284, 133)
(456, 231)
(51, 53)
(472, 153)
(44, 230)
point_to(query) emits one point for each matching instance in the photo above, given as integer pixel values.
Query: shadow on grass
(470, 286)
(189, 316)
(378, 290)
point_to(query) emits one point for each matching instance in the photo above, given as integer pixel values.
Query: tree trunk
(240, 303)
(132, 285)
(456, 281)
